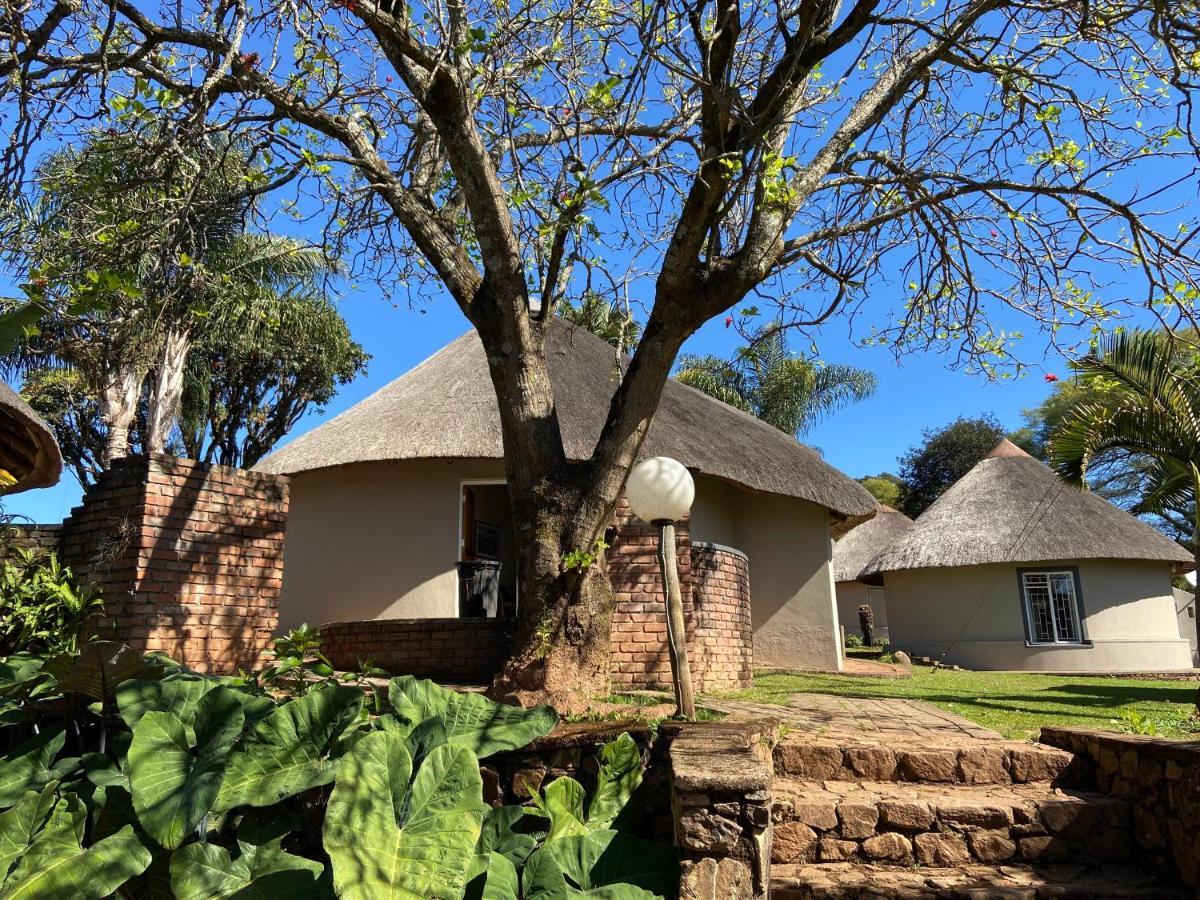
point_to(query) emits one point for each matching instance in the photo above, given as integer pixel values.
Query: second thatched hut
(1013, 569)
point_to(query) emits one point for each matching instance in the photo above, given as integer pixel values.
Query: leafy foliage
(766, 379)
(886, 488)
(168, 783)
(944, 455)
(43, 607)
(1149, 414)
(605, 319)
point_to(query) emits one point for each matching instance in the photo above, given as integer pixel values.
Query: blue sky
(917, 393)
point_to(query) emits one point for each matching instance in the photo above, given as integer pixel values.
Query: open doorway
(487, 558)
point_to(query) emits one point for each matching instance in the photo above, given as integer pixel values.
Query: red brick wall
(724, 631)
(465, 651)
(188, 556)
(639, 632)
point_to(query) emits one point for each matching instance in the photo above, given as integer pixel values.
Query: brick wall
(464, 651)
(639, 633)
(188, 556)
(23, 534)
(724, 631)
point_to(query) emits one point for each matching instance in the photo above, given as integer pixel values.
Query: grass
(1016, 704)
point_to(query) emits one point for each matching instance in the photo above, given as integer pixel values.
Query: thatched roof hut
(445, 408)
(1012, 508)
(858, 548)
(28, 451)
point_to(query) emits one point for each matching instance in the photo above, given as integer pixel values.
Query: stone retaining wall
(1160, 778)
(463, 651)
(188, 557)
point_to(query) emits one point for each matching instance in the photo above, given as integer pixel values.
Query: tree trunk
(167, 389)
(118, 408)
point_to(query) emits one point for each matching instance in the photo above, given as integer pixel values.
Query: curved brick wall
(724, 631)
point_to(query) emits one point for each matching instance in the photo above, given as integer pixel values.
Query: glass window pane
(1037, 595)
(1052, 607)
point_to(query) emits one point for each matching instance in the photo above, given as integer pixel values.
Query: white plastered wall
(1128, 608)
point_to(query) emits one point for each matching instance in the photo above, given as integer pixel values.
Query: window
(1051, 607)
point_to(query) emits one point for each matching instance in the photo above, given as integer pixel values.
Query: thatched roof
(854, 551)
(1013, 508)
(28, 450)
(446, 408)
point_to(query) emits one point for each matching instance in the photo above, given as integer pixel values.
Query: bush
(125, 774)
(853, 640)
(43, 608)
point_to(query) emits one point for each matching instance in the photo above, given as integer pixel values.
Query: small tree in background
(944, 455)
(768, 380)
(886, 488)
(605, 319)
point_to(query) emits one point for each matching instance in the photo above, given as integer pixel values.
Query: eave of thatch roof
(446, 408)
(1012, 508)
(28, 450)
(859, 547)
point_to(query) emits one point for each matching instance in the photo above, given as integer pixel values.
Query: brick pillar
(639, 634)
(188, 556)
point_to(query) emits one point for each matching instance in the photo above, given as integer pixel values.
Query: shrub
(127, 774)
(43, 608)
(853, 640)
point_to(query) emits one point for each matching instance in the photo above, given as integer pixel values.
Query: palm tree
(766, 379)
(604, 319)
(1154, 418)
(137, 256)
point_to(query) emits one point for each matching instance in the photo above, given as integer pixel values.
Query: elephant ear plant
(126, 775)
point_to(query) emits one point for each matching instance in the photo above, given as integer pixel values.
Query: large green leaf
(19, 825)
(58, 868)
(178, 695)
(27, 767)
(99, 669)
(603, 863)
(289, 751)
(173, 785)
(471, 720)
(208, 872)
(387, 840)
(561, 801)
(619, 776)
(492, 876)
(503, 833)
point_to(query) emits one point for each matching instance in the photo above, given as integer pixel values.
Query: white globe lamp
(660, 489)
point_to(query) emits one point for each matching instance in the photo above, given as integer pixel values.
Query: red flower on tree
(1050, 376)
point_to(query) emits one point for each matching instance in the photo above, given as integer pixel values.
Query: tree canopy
(943, 457)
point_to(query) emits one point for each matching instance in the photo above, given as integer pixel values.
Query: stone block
(858, 820)
(974, 814)
(888, 846)
(817, 814)
(830, 849)
(872, 763)
(941, 849)
(1042, 764)
(811, 761)
(712, 879)
(907, 815)
(703, 831)
(935, 766)
(991, 846)
(793, 842)
(982, 765)
(1042, 849)
(1069, 816)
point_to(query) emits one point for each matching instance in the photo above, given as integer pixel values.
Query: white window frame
(1072, 578)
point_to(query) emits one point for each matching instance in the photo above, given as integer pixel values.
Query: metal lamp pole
(660, 491)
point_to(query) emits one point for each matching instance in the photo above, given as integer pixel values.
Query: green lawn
(1016, 704)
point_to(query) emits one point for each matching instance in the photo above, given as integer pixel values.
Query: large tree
(944, 456)
(987, 153)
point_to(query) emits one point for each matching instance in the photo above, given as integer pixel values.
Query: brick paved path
(888, 719)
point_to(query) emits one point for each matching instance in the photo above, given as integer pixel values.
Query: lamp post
(660, 491)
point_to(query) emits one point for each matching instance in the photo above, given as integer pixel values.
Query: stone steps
(904, 823)
(1013, 762)
(843, 881)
